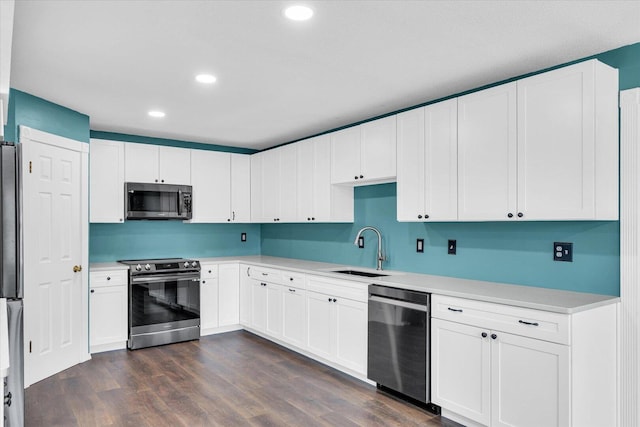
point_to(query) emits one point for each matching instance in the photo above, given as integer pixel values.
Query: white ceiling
(280, 80)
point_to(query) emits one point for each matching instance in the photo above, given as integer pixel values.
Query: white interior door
(54, 227)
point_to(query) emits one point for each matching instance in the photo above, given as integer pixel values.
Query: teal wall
(509, 252)
(37, 113)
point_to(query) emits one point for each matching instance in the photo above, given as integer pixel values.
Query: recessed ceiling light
(298, 13)
(156, 114)
(206, 78)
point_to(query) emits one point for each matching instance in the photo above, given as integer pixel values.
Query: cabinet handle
(292, 290)
(265, 274)
(528, 323)
(520, 214)
(263, 284)
(233, 215)
(93, 290)
(248, 271)
(419, 216)
(494, 336)
(457, 310)
(484, 335)
(509, 215)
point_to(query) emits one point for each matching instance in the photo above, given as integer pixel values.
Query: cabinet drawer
(265, 274)
(208, 271)
(526, 322)
(338, 288)
(295, 280)
(108, 278)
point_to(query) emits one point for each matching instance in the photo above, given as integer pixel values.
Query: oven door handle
(191, 277)
(399, 303)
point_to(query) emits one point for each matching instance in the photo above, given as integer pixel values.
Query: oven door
(163, 302)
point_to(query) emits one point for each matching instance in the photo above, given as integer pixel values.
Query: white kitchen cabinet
(364, 154)
(273, 185)
(108, 308)
(259, 305)
(487, 154)
(568, 143)
(427, 157)
(154, 163)
(228, 294)
(106, 168)
(245, 296)
(337, 322)
(221, 186)
(274, 310)
(209, 298)
(318, 200)
(499, 365)
(294, 313)
(542, 148)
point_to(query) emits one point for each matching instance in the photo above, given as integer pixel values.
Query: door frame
(28, 136)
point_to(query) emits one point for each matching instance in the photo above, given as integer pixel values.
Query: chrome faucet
(380, 257)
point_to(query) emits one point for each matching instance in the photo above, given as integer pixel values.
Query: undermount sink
(360, 273)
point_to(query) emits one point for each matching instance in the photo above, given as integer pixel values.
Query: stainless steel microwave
(157, 201)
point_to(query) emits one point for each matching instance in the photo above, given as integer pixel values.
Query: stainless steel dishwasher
(398, 346)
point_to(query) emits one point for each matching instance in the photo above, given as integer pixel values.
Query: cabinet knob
(162, 180)
(419, 216)
(120, 219)
(108, 277)
(334, 300)
(313, 218)
(426, 216)
(228, 219)
(204, 281)
(484, 335)
(308, 219)
(356, 177)
(329, 299)
(291, 279)
(494, 336)
(93, 290)
(520, 214)
(209, 271)
(361, 176)
(509, 215)
(156, 180)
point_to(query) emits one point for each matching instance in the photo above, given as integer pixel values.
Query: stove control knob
(147, 267)
(186, 264)
(194, 264)
(138, 267)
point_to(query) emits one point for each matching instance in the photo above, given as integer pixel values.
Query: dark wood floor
(229, 379)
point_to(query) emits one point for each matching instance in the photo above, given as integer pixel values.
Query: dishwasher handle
(399, 303)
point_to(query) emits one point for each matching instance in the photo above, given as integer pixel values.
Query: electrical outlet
(361, 242)
(451, 247)
(563, 251)
(420, 245)
(243, 237)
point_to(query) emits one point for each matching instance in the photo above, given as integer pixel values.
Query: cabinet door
(257, 185)
(461, 369)
(288, 209)
(487, 154)
(270, 185)
(245, 296)
(109, 314)
(106, 162)
(240, 188)
(140, 162)
(174, 165)
(320, 320)
(345, 156)
(441, 161)
(274, 310)
(259, 305)
(378, 149)
(210, 179)
(229, 294)
(209, 303)
(556, 144)
(351, 334)
(294, 313)
(411, 170)
(305, 177)
(530, 382)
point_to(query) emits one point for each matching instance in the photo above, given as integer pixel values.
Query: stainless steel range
(164, 301)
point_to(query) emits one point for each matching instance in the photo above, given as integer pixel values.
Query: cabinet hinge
(30, 166)
(30, 346)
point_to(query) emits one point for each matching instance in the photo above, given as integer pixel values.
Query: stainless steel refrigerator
(11, 284)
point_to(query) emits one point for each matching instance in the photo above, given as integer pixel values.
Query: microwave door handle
(180, 202)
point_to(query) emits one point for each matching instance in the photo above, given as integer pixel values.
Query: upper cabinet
(541, 148)
(427, 163)
(318, 200)
(364, 154)
(273, 185)
(106, 168)
(240, 187)
(154, 163)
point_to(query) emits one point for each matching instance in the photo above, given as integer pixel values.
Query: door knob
(77, 268)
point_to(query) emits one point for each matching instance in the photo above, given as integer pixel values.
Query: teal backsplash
(508, 252)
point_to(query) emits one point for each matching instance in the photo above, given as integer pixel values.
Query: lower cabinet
(219, 297)
(294, 311)
(228, 294)
(490, 365)
(246, 285)
(108, 312)
(208, 298)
